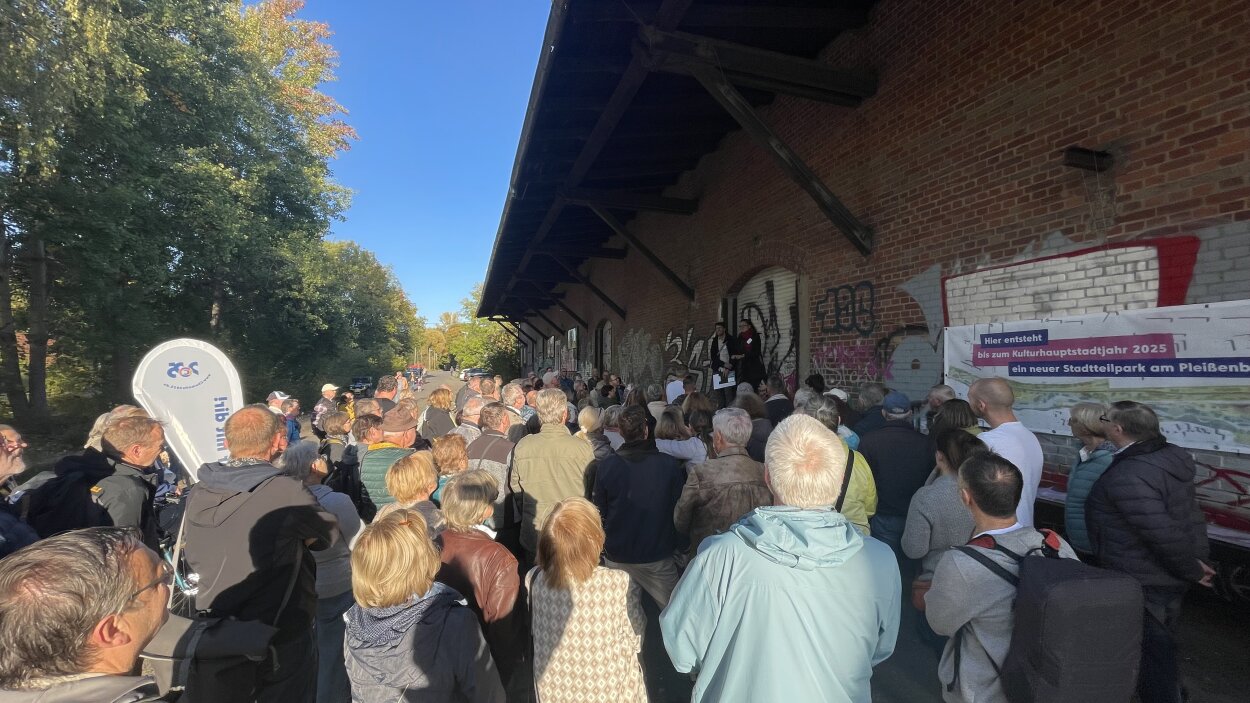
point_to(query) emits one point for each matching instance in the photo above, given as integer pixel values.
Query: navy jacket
(1143, 516)
(901, 459)
(636, 490)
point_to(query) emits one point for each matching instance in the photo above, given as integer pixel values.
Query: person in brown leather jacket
(481, 569)
(720, 491)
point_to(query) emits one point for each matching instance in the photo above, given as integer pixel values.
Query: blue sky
(437, 91)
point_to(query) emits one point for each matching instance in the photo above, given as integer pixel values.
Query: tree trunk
(37, 338)
(219, 299)
(123, 370)
(10, 364)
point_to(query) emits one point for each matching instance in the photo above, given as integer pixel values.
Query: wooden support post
(586, 282)
(859, 234)
(610, 220)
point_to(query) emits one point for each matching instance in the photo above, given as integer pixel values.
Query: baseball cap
(398, 421)
(277, 395)
(838, 393)
(329, 387)
(896, 403)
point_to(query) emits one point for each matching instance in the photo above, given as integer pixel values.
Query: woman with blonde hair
(410, 481)
(478, 567)
(1092, 460)
(409, 637)
(584, 617)
(590, 419)
(436, 420)
(450, 458)
(674, 439)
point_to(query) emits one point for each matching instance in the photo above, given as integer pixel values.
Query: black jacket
(1143, 516)
(247, 525)
(603, 449)
(636, 491)
(779, 409)
(125, 492)
(901, 459)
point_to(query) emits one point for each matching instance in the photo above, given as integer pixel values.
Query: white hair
(805, 463)
(734, 425)
(552, 406)
(745, 387)
(806, 401)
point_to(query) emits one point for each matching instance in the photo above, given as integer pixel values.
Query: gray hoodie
(97, 688)
(248, 527)
(429, 649)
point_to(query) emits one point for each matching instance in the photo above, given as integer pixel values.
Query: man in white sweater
(992, 400)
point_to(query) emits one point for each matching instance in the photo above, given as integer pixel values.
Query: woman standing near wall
(750, 355)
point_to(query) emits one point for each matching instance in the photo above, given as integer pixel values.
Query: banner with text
(192, 387)
(1191, 363)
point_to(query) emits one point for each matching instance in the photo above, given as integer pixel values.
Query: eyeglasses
(1103, 418)
(166, 578)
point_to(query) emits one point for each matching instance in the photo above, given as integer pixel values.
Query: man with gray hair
(777, 403)
(75, 612)
(937, 395)
(869, 402)
(1144, 521)
(520, 415)
(741, 617)
(469, 415)
(548, 466)
(721, 490)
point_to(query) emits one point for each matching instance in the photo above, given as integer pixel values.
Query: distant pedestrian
(290, 416)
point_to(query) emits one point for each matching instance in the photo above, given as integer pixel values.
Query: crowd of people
(500, 542)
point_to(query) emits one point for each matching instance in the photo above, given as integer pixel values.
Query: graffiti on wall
(691, 353)
(639, 359)
(848, 309)
(776, 318)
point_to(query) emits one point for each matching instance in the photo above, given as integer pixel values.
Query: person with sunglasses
(76, 609)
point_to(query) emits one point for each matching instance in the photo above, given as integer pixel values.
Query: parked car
(470, 372)
(361, 386)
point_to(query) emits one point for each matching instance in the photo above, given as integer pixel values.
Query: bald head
(991, 399)
(253, 433)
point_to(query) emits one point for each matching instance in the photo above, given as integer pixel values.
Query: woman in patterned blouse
(587, 619)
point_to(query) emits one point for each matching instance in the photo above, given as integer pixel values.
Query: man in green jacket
(547, 467)
(399, 432)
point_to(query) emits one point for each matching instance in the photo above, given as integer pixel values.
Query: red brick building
(997, 161)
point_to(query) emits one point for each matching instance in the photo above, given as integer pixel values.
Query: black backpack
(63, 503)
(1077, 633)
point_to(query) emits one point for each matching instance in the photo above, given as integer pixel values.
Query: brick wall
(956, 164)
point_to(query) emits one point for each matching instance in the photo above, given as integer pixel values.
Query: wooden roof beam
(572, 269)
(767, 16)
(624, 200)
(685, 54)
(581, 252)
(628, 236)
(858, 233)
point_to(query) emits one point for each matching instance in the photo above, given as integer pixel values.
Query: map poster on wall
(1191, 363)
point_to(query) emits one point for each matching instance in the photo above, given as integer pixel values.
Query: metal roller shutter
(770, 301)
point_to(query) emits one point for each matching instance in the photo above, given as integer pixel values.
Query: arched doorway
(769, 299)
(603, 347)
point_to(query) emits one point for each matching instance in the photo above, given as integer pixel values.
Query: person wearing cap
(399, 432)
(275, 401)
(325, 405)
(901, 461)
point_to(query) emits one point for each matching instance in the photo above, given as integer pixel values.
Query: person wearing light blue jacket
(791, 603)
(1096, 455)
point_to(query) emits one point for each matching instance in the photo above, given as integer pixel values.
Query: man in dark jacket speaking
(1144, 520)
(248, 532)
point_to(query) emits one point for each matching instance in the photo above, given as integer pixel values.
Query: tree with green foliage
(479, 342)
(165, 171)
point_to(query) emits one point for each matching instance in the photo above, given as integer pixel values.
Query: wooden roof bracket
(617, 226)
(710, 75)
(586, 282)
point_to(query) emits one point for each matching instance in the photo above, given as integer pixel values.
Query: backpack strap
(846, 478)
(1002, 573)
(990, 564)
